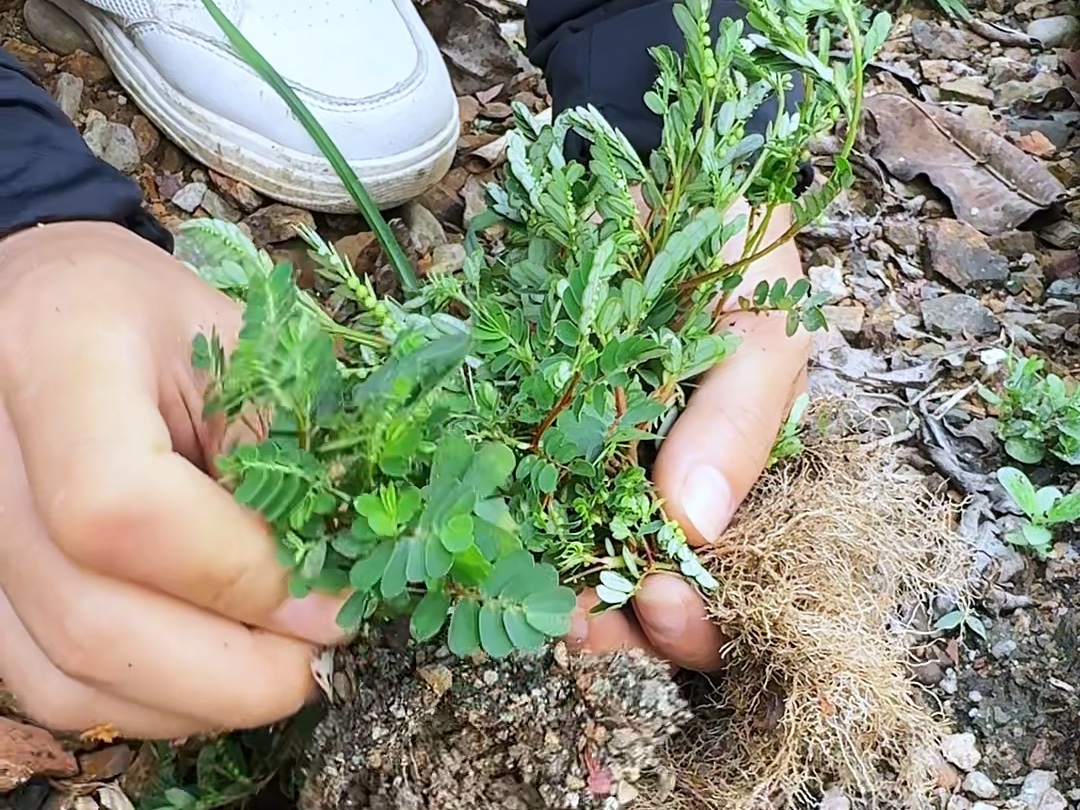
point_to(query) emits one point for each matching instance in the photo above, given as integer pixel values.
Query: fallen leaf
(1035, 143)
(991, 184)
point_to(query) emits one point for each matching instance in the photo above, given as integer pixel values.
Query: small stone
(96, 132)
(829, 279)
(237, 193)
(848, 320)
(956, 314)
(967, 89)
(425, 229)
(106, 764)
(958, 802)
(834, 799)
(928, 673)
(1003, 649)
(1013, 244)
(625, 793)
(122, 150)
(983, 806)
(190, 197)
(962, 255)
(1064, 288)
(91, 69)
(55, 29)
(447, 258)
(1033, 89)
(277, 223)
(935, 70)
(939, 42)
(27, 751)
(979, 785)
(69, 93)
(84, 803)
(960, 750)
(1036, 785)
(216, 206)
(146, 135)
(438, 677)
(1053, 32)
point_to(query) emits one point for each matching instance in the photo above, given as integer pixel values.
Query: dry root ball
(821, 575)
(419, 730)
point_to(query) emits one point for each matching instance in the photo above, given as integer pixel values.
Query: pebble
(217, 207)
(967, 89)
(122, 150)
(427, 232)
(87, 67)
(55, 29)
(979, 785)
(1003, 649)
(1052, 32)
(190, 197)
(961, 254)
(448, 258)
(983, 806)
(829, 280)
(960, 750)
(69, 93)
(105, 764)
(146, 135)
(834, 799)
(277, 223)
(956, 314)
(848, 320)
(237, 193)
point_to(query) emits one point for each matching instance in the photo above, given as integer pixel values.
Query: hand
(134, 592)
(708, 464)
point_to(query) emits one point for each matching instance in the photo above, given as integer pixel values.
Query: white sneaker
(367, 69)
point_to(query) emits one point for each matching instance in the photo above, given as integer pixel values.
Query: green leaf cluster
(475, 454)
(1038, 413)
(1045, 508)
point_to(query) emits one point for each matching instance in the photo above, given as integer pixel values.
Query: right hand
(134, 592)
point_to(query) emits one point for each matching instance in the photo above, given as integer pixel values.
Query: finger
(59, 703)
(676, 623)
(119, 501)
(139, 645)
(605, 632)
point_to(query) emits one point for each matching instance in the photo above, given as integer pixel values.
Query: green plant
(477, 452)
(1044, 508)
(1038, 413)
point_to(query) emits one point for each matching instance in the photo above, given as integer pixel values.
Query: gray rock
(122, 149)
(956, 802)
(69, 92)
(1064, 288)
(1057, 132)
(829, 279)
(983, 806)
(55, 29)
(1034, 89)
(190, 197)
(979, 785)
(848, 320)
(961, 254)
(960, 750)
(956, 314)
(447, 258)
(1038, 786)
(967, 89)
(834, 799)
(96, 133)
(1003, 649)
(939, 42)
(426, 231)
(217, 207)
(1052, 32)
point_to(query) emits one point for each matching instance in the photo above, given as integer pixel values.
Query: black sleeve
(597, 52)
(47, 172)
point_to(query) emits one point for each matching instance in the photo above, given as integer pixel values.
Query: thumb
(719, 446)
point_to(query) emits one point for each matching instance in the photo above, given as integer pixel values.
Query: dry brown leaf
(991, 184)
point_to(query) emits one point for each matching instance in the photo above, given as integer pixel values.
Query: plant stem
(553, 414)
(399, 261)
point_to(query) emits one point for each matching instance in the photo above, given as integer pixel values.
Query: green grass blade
(398, 260)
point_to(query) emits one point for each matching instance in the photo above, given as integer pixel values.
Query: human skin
(135, 593)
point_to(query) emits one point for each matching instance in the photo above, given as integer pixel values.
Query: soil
(959, 240)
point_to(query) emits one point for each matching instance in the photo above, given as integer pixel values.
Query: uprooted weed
(823, 574)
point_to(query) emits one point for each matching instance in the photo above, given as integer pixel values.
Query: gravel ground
(960, 239)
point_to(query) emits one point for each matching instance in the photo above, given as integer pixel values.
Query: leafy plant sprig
(1038, 413)
(473, 455)
(1044, 508)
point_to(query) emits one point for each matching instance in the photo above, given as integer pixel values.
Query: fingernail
(706, 500)
(313, 618)
(579, 628)
(662, 616)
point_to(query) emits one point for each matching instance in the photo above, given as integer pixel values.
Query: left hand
(707, 466)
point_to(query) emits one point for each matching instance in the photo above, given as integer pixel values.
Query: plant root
(825, 576)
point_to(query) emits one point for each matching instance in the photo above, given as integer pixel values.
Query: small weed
(1038, 413)
(1044, 509)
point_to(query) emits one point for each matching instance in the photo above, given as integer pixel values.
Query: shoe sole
(280, 173)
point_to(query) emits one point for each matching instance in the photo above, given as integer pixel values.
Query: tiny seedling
(1038, 413)
(474, 454)
(1044, 509)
